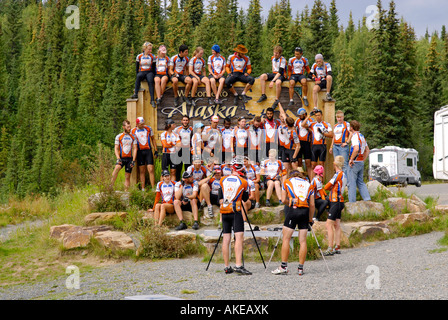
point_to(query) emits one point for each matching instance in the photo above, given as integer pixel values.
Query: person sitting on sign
(186, 199)
(178, 71)
(297, 66)
(165, 190)
(239, 68)
(273, 171)
(161, 78)
(216, 69)
(276, 78)
(198, 75)
(145, 68)
(323, 77)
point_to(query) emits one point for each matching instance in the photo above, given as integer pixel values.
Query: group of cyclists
(205, 165)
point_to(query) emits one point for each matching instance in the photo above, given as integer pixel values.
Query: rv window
(380, 157)
(409, 162)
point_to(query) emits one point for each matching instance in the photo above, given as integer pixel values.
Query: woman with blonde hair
(145, 68)
(197, 73)
(161, 77)
(336, 187)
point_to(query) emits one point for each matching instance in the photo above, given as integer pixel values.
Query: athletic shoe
(217, 101)
(275, 104)
(329, 98)
(300, 271)
(262, 98)
(187, 101)
(315, 219)
(181, 226)
(291, 103)
(158, 100)
(235, 100)
(245, 98)
(210, 101)
(305, 101)
(280, 203)
(210, 211)
(153, 104)
(193, 102)
(257, 205)
(134, 96)
(228, 270)
(337, 250)
(177, 101)
(280, 271)
(242, 271)
(268, 203)
(329, 252)
(195, 225)
(203, 204)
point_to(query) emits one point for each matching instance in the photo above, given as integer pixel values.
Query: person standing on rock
(234, 190)
(126, 154)
(336, 186)
(359, 151)
(300, 213)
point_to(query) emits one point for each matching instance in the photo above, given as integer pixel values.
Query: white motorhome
(394, 165)
(440, 159)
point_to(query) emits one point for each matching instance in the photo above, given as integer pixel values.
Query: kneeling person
(186, 199)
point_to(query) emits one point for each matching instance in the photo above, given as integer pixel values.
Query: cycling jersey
(255, 138)
(317, 186)
(217, 63)
(125, 141)
(341, 132)
(196, 143)
(178, 63)
(169, 141)
(270, 129)
(227, 139)
(213, 136)
(184, 135)
(273, 169)
(359, 140)
(298, 66)
(321, 72)
(336, 186)
(165, 191)
(187, 189)
(292, 138)
(162, 65)
(145, 61)
(214, 186)
(277, 64)
(232, 191)
(143, 137)
(298, 191)
(226, 170)
(241, 136)
(252, 171)
(197, 64)
(198, 174)
(319, 138)
(283, 137)
(304, 134)
(236, 64)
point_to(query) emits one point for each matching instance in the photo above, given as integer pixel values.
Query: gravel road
(407, 268)
(439, 190)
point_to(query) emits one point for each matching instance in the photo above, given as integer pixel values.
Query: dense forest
(63, 88)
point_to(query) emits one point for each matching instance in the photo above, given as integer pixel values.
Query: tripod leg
(275, 247)
(250, 226)
(318, 245)
(217, 243)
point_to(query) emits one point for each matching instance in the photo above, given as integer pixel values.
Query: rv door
(440, 160)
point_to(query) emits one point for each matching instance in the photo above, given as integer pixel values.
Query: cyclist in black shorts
(302, 125)
(239, 68)
(321, 130)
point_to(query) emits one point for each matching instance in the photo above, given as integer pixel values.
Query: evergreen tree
(253, 30)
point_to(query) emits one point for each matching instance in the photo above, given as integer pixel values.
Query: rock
(406, 219)
(96, 229)
(372, 229)
(442, 208)
(76, 238)
(272, 214)
(115, 240)
(103, 216)
(187, 236)
(57, 231)
(97, 198)
(418, 201)
(402, 205)
(363, 208)
(374, 187)
(365, 228)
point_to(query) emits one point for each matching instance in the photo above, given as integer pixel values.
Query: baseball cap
(319, 170)
(169, 121)
(165, 173)
(215, 119)
(216, 48)
(187, 175)
(319, 56)
(140, 120)
(217, 168)
(301, 111)
(299, 49)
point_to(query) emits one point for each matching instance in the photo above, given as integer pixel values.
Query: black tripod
(220, 235)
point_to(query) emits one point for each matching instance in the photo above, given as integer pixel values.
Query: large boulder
(269, 214)
(403, 205)
(76, 238)
(56, 232)
(103, 216)
(98, 198)
(374, 187)
(365, 228)
(115, 240)
(406, 219)
(363, 208)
